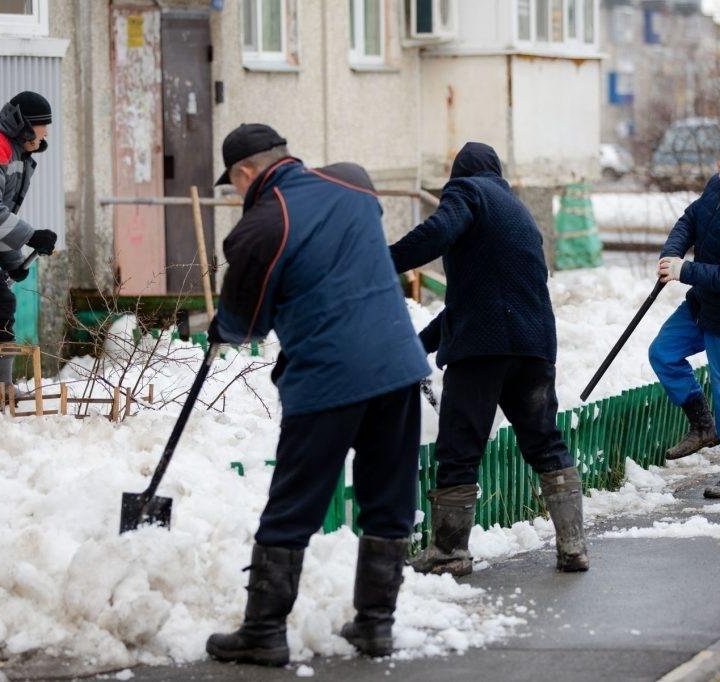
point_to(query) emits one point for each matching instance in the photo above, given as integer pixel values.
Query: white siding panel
(44, 206)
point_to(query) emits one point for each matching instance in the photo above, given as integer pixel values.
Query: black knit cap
(244, 141)
(34, 108)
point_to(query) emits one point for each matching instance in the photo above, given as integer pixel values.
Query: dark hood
(16, 128)
(474, 158)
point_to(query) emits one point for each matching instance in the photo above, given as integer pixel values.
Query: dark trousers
(385, 432)
(472, 389)
(7, 310)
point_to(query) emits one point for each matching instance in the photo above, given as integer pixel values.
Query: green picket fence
(641, 423)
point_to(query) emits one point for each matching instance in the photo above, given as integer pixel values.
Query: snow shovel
(622, 340)
(147, 508)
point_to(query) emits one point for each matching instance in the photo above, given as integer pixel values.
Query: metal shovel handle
(30, 260)
(182, 420)
(623, 338)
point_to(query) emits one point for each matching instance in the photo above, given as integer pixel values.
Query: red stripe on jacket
(273, 263)
(6, 151)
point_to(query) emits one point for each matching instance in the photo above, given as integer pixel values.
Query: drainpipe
(325, 84)
(510, 136)
(86, 194)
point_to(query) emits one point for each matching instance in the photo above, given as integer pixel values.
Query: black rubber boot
(452, 514)
(702, 433)
(562, 492)
(6, 369)
(377, 583)
(712, 492)
(273, 587)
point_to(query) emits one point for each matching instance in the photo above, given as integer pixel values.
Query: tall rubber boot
(6, 373)
(273, 587)
(452, 512)
(6, 369)
(702, 433)
(377, 582)
(563, 497)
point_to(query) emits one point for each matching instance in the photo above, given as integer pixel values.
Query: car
(615, 161)
(687, 155)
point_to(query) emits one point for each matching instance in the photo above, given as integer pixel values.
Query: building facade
(663, 65)
(147, 90)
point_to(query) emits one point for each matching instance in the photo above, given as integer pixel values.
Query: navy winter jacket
(699, 226)
(497, 300)
(309, 260)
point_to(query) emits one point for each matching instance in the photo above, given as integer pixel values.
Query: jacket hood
(474, 158)
(14, 125)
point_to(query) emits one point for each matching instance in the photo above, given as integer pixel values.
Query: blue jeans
(678, 339)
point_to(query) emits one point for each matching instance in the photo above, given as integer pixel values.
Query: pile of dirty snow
(70, 585)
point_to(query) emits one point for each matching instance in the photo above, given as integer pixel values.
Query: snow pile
(592, 309)
(69, 584)
(498, 542)
(694, 527)
(641, 493)
(650, 209)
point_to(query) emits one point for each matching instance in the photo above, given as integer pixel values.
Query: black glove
(43, 241)
(213, 332)
(18, 274)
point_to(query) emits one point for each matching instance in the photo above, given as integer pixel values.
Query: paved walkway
(646, 607)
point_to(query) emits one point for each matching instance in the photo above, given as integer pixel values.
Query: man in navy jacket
(497, 337)
(695, 326)
(309, 260)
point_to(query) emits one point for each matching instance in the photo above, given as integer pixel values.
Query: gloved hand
(669, 268)
(18, 274)
(213, 332)
(43, 241)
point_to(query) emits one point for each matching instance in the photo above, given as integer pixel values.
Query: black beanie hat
(34, 108)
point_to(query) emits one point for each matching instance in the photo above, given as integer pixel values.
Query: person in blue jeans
(695, 326)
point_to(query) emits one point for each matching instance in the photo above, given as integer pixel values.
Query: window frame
(357, 56)
(259, 55)
(27, 25)
(568, 43)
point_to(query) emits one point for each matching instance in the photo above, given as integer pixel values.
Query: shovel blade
(157, 512)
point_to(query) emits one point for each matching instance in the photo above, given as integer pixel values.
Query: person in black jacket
(309, 259)
(695, 326)
(496, 335)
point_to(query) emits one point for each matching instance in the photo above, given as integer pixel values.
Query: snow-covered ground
(70, 585)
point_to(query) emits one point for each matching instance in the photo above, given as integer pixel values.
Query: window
(651, 26)
(620, 86)
(542, 16)
(24, 17)
(265, 30)
(623, 19)
(589, 15)
(367, 31)
(558, 22)
(524, 26)
(572, 19)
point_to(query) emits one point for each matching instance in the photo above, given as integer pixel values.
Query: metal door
(187, 119)
(139, 230)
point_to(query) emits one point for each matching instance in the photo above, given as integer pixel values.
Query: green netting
(577, 243)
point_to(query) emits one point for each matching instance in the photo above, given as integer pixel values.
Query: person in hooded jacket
(496, 337)
(695, 325)
(24, 122)
(309, 259)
